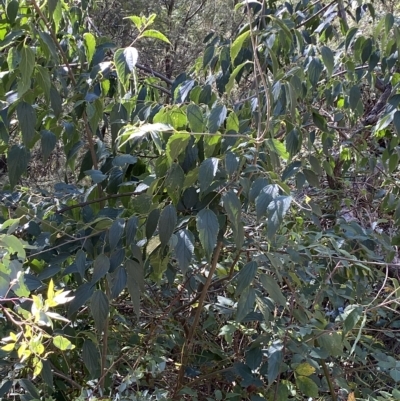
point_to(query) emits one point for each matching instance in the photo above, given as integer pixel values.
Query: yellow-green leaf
(62, 343)
(305, 369)
(152, 33)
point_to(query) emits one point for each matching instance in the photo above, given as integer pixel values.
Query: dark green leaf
(131, 229)
(91, 359)
(276, 211)
(314, 70)
(207, 172)
(135, 272)
(43, 80)
(328, 59)
(207, 226)
(152, 222)
(18, 159)
(119, 280)
(350, 37)
(27, 122)
(231, 163)
(174, 182)
(46, 373)
(208, 55)
(254, 358)
(29, 388)
(12, 10)
(256, 188)
(48, 142)
(245, 304)
(216, 118)
(311, 177)
(26, 66)
(246, 276)
(184, 249)
(366, 50)
(396, 122)
(195, 118)
(332, 343)
(55, 101)
(100, 309)
(81, 295)
(115, 232)
(275, 359)
(389, 21)
(293, 142)
(233, 209)
(166, 224)
(315, 165)
(5, 388)
(101, 267)
(266, 195)
(272, 287)
(133, 286)
(80, 262)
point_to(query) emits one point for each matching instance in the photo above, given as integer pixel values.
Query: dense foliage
(227, 230)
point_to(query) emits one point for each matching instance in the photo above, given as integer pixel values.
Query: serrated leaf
(231, 163)
(307, 386)
(332, 343)
(176, 145)
(246, 276)
(328, 59)
(276, 211)
(17, 160)
(174, 182)
(195, 118)
(275, 358)
(115, 232)
(351, 319)
(233, 208)
(166, 224)
(278, 147)
(314, 70)
(152, 33)
(272, 287)
(207, 171)
(184, 249)
(27, 122)
(207, 226)
(152, 222)
(62, 343)
(125, 61)
(81, 295)
(305, 369)
(43, 80)
(101, 267)
(91, 358)
(238, 44)
(311, 177)
(135, 271)
(90, 45)
(254, 357)
(245, 304)
(265, 197)
(100, 308)
(48, 142)
(118, 282)
(26, 66)
(216, 118)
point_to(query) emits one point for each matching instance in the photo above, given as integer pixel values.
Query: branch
(155, 73)
(316, 14)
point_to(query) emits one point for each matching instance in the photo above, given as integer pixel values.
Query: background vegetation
(200, 200)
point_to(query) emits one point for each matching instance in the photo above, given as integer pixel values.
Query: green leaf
(389, 21)
(265, 197)
(328, 59)
(275, 359)
(232, 122)
(81, 295)
(231, 163)
(46, 373)
(314, 70)
(184, 249)
(305, 369)
(238, 44)
(12, 11)
(233, 208)
(307, 386)
(354, 97)
(311, 177)
(55, 13)
(207, 172)
(18, 159)
(278, 147)
(135, 272)
(315, 165)
(166, 224)
(135, 279)
(393, 162)
(131, 229)
(115, 233)
(125, 61)
(332, 343)
(351, 319)
(176, 145)
(62, 343)
(350, 36)
(245, 277)
(26, 66)
(293, 142)
(246, 303)
(235, 72)
(272, 287)
(90, 45)
(396, 122)
(174, 182)
(152, 222)
(207, 226)
(366, 50)
(55, 101)
(48, 142)
(101, 267)
(27, 122)
(216, 118)
(100, 308)
(276, 211)
(91, 359)
(195, 118)
(137, 21)
(152, 33)
(43, 80)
